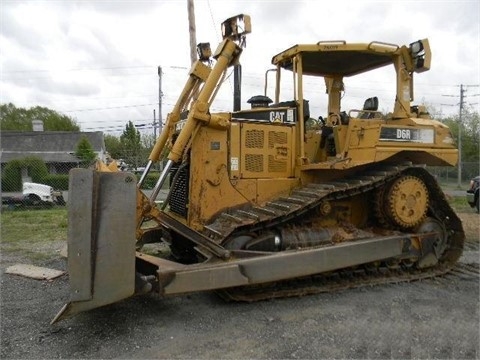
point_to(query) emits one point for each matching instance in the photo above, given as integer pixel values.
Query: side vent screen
(254, 139)
(266, 151)
(254, 163)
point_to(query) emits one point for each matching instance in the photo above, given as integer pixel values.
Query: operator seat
(371, 104)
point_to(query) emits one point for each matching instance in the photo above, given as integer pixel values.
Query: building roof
(50, 146)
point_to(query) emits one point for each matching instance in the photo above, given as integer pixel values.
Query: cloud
(121, 7)
(103, 55)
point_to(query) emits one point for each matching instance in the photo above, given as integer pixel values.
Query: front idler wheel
(433, 247)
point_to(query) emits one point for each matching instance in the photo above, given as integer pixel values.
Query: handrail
(384, 45)
(327, 42)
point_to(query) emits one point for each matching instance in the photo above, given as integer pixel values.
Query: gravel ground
(436, 318)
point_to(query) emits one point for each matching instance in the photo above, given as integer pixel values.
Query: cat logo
(277, 116)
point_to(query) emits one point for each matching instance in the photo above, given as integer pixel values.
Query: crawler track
(285, 211)
(345, 279)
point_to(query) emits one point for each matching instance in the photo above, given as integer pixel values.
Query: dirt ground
(435, 319)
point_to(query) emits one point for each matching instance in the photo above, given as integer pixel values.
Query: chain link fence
(16, 173)
(448, 176)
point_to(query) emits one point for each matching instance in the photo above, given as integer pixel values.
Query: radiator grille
(178, 201)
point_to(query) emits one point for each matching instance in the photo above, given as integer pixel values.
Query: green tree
(20, 119)
(84, 152)
(471, 127)
(470, 134)
(148, 142)
(470, 139)
(131, 145)
(113, 146)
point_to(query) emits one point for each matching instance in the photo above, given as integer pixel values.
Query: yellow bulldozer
(269, 201)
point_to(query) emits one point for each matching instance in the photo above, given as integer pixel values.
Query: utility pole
(160, 94)
(160, 117)
(459, 180)
(192, 31)
(154, 126)
(463, 89)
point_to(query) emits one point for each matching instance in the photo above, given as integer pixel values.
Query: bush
(36, 168)
(12, 174)
(58, 182)
(150, 181)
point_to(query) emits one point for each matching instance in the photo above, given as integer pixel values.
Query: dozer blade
(101, 239)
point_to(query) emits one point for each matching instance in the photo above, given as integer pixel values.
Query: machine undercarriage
(323, 215)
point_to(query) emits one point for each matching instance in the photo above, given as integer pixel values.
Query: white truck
(34, 194)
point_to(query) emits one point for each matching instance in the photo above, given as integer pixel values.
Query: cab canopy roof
(337, 58)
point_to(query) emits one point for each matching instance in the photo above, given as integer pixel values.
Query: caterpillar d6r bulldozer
(268, 201)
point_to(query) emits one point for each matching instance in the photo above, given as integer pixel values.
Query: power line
(109, 108)
(50, 77)
(81, 69)
(27, 77)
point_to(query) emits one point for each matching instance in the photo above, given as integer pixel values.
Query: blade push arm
(198, 92)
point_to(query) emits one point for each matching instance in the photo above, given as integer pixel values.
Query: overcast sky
(96, 61)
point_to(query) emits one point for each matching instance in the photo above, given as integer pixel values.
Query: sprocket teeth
(407, 201)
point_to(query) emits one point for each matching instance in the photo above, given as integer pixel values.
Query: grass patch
(454, 185)
(34, 226)
(37, 234)
(459, 204)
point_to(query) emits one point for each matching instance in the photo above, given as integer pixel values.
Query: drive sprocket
(406, 200)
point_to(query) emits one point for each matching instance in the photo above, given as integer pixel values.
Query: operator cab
(327, 139)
